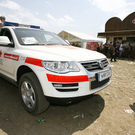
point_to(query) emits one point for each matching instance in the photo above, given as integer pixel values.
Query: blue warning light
(36, 27)
(10, 23)
(20, 25)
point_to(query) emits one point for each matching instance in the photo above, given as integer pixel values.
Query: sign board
(92, 46)
(124, 38)
(133, 21)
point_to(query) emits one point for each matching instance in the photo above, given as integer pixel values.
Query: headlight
(60, 66)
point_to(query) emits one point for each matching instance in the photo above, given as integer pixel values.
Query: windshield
(37, 37)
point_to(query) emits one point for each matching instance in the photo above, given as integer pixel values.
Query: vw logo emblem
(101, 65)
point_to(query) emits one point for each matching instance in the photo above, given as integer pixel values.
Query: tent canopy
(77, 37)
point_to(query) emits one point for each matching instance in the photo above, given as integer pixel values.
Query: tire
(31, 94)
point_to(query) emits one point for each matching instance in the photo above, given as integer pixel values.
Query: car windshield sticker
(29, 40)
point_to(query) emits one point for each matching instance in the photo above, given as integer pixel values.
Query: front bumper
(72, 85)
(67, 101)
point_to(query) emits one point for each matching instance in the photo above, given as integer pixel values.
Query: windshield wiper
(64, 44)
(32, 44)
(51, 44)
(56, 44)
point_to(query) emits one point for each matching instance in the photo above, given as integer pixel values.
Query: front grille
(95, 84)
(104, 62)
(95, 65)
(66, 87)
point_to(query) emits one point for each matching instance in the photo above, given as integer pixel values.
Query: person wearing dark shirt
(98, 49)
(129, 50)
(114, 51)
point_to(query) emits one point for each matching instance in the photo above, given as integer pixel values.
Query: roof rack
(5, 23)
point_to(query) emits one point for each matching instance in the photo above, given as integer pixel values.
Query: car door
(7, 55)
(1, 57)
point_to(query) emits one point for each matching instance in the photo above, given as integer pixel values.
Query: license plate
(104, 75)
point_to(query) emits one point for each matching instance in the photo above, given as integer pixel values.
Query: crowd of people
(113, 50)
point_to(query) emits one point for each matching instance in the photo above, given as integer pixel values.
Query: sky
(84, 16)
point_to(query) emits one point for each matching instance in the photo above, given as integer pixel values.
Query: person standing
(105, 49)
(120, 50)
(2, 19)
(109, 51)
(98, 48)
(101, 48)
(129, 50)
(114, 51)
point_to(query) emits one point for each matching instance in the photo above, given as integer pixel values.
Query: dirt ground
(101, 114)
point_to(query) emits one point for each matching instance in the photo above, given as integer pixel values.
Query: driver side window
(8, 34)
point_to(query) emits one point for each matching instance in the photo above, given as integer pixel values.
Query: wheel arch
(22, 70)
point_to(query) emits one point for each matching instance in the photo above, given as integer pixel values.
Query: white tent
(79, 39)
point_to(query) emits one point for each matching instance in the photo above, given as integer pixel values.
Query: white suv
(47, 69)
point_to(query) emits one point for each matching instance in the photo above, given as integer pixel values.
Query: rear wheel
(31, 94)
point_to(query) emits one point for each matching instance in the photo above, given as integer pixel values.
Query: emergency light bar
(20, 25)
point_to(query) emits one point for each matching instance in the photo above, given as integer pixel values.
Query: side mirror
(4, 40)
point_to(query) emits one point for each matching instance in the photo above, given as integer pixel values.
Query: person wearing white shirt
(120, 50)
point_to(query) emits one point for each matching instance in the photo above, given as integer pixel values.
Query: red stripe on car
(67, 79)
(34, 61)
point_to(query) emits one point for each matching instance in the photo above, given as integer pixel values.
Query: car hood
(64, 52)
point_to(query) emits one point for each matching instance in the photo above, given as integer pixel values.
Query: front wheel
(31, 94)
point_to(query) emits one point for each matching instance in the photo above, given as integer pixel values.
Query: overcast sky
(85, 16)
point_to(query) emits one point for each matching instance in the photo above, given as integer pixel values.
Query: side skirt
(8, 79)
